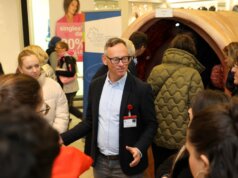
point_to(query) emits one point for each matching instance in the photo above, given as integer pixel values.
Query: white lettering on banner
(70, 29)
(72, 34)
(74, 43)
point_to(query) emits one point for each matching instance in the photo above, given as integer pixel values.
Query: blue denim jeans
(105, 168)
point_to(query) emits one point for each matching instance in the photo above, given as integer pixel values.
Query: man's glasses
(45, 109)
(116, 60)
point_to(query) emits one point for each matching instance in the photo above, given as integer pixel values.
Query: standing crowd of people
(192, 130)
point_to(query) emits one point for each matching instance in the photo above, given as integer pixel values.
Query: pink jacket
(77, 18)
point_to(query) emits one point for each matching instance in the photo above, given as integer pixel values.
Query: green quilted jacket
(174, 82)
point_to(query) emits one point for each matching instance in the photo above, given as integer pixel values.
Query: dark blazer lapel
(98, 92)
(126, 94)
(132, 68)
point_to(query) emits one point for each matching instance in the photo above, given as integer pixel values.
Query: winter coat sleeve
(196, 85)
(70, 68)
(61, 120)
(155, 79)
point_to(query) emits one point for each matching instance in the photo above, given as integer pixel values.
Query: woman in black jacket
(66, 72)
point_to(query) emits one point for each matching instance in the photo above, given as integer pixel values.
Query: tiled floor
(80, 145)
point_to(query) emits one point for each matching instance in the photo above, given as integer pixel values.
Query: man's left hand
(136, 155)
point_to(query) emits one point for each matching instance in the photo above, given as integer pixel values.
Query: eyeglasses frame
(45, 111)
(119, 59)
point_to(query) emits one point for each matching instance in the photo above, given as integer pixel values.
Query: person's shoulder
(79, 17)
(62, 20)
(52, 83)
(137, 81)
(46, 67)
(53, 53)
(160, 67)
(70, 58)
(98, 79)
(53, 88)
(100, 71)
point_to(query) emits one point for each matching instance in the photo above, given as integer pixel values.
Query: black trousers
(160, 154)
(73, 110)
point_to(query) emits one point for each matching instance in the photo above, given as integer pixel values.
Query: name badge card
(129, 121)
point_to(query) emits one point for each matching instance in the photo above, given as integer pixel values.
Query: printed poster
(72, 34)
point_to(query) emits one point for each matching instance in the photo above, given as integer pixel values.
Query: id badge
(129, 121)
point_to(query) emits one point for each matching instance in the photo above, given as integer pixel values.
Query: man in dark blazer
(120, 122)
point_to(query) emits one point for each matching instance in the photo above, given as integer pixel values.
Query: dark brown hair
(29, 145)
(184, 42)
(139, 39)
(67, 3)
(207, 98)
(214, 133)
(20, 89)
(63, 45)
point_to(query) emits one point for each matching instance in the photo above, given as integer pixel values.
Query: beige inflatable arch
(217, 28)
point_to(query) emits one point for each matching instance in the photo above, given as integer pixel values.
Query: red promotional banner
(72, 34)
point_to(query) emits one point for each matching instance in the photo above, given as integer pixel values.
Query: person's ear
(143, 48)
(205, 161)
(20, 70)
(104, 59)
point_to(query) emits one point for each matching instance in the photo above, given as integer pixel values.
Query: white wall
(11, 34)
(38, 14)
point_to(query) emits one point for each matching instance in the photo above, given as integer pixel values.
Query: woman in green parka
(174, 82)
